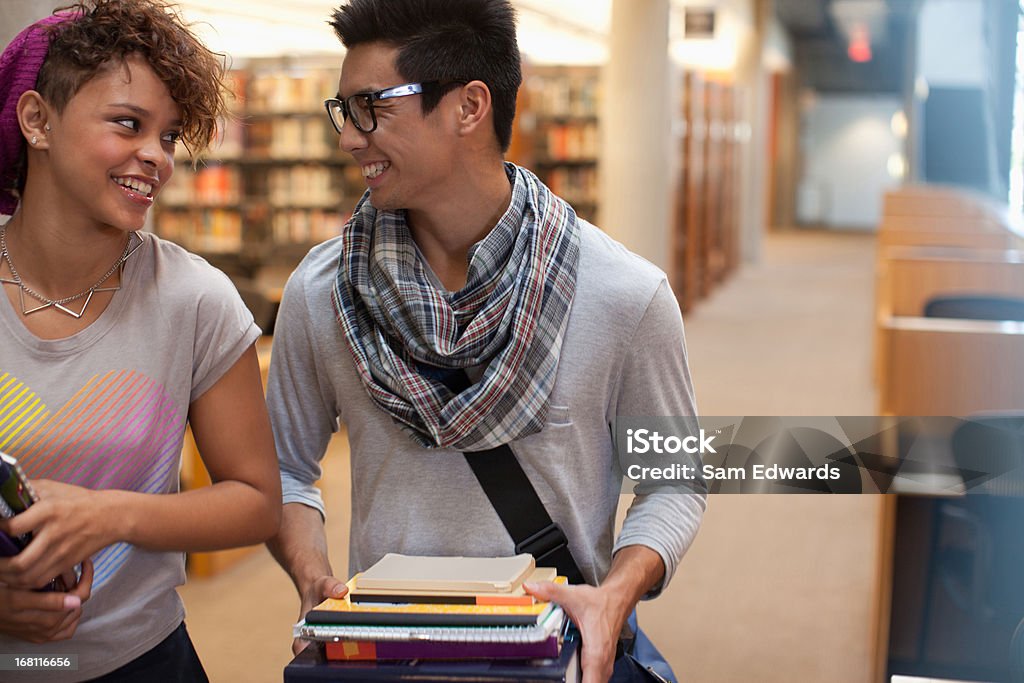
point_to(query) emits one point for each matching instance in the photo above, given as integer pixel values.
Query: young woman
(113, 339)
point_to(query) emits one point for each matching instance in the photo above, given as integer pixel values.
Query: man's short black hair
(444, 40)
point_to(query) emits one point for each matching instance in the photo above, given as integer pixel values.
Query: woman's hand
(44, 617)
(69, 524)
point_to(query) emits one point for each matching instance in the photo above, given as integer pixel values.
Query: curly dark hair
(106, 31)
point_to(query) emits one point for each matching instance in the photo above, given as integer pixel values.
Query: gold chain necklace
(58, 304)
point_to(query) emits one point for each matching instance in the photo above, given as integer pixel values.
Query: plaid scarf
(405, 335)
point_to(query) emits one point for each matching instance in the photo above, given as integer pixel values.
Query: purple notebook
(382, 650)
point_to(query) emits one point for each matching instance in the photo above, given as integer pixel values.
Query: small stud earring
(47, 128)
(34, 139)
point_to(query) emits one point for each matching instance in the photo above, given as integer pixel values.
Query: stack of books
(439, 608)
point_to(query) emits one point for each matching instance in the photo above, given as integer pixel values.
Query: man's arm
(300, 547)
(303, 416)
(659, 527)
(655, 382)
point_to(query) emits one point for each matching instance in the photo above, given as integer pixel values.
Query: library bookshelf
(707, 193)
(557, 134)
(277, 184)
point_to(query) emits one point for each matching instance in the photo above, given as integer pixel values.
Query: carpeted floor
(776, 588)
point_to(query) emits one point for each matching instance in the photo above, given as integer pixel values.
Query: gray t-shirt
(624, 355)
(106, 409)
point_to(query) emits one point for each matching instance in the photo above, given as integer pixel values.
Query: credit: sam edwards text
(678, 472)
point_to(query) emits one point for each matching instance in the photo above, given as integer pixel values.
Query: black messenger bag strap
(518, 506)
(521, 510)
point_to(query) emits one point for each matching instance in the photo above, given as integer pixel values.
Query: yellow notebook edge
(346, 605)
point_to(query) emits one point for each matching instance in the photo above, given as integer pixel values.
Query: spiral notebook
(380, 643)
(550, 624)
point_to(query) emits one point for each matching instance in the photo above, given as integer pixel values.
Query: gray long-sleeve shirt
(624, 354)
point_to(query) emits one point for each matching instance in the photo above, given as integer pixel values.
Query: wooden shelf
(543, 119)
(706, 223)
(293, 161)
(305, 114)
(200, 206)
(582, 161)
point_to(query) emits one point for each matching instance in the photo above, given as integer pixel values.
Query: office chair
(986, 445)
(976, 590)
(975, 307)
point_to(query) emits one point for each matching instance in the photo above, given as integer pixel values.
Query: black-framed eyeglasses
(359, 107)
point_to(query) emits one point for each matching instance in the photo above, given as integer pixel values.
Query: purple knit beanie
(19, 67)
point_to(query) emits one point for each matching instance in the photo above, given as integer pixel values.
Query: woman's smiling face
(112, 148)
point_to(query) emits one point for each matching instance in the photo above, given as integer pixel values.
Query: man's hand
(44, 617)
(300, 547)
(599, 615)
(317, 591)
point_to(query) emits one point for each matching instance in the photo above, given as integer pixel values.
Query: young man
(457, 261)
